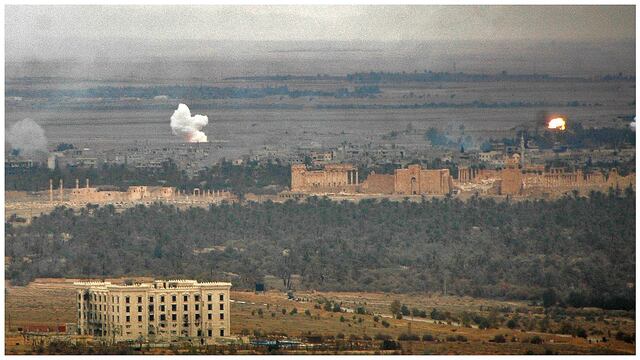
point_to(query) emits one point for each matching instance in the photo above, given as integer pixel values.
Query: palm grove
(576, 250)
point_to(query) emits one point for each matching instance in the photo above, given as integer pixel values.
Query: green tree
(395, 307)
(549, 298)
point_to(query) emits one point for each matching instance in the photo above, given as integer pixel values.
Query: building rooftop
(156, 284)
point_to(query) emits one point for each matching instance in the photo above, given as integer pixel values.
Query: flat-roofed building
(163, 310)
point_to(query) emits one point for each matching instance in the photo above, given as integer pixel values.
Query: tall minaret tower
(522, 150)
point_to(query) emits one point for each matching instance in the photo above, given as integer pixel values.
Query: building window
(208, 297)
(151, 317)
(140, 308)
(221, 306)
(209, 316)
(221, 332)
(174, 317)
(173, 298)
(126, 299)
(162, 298)
(163, 317)
(150, 307)
(210, 307)
(221, 297)
(139, 318)
(127, 309)
(139, 299)
(128, 318)
(196, 297)
(197, 307)
(186, 298)
(174, 307)
(186, 307)
(221, 316)
(150, 299)
(161, 307)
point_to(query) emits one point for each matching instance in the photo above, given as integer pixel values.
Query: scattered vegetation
(480, 247)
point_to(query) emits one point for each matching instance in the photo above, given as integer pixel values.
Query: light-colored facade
(343, 178)
(334, 178)
(164, 310)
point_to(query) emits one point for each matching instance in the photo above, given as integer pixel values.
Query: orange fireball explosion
(557, 123)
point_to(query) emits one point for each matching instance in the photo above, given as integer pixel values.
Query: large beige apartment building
(164, 310)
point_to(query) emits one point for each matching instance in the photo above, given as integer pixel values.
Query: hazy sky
(373, 23)
(41, 32)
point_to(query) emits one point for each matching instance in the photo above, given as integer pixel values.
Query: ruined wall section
(511, 182)
(379, 184)
(334, 178)
(407, 181)
(535, 181)
(414, 180)
(343, 178)
(435, 182)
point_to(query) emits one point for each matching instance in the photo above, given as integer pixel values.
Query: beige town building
(164, 310)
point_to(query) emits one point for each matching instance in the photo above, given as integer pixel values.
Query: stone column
(81, 319)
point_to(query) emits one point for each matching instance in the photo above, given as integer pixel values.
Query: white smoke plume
(27, 137)
(632, 124)
(187, 126)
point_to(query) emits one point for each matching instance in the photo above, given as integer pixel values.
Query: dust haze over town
(112, 51)
(399, 179)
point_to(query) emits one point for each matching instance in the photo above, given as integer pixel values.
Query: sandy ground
(52, 302)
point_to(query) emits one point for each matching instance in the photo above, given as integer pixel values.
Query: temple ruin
(512, 180)
(139, 193)
(343, 178)
(536, 181)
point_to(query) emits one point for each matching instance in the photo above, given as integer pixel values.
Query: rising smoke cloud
(27, 137)
(187, 126)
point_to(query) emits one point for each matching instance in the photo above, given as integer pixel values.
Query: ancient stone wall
(298, 181)
(435, 182)
(334, 178)
(135, 193)
(378, 184)
(407, 181)
(511, 181)
(414, 180)
(344, 178)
